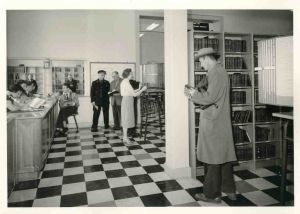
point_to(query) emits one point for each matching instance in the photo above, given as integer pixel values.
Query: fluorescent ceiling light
(152, 26)
(141, 34)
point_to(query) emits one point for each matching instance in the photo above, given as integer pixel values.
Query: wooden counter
(29, 135)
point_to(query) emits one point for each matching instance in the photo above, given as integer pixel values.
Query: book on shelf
(265, 150)
(238, 97)
(239, 80)
(205, 42)
(241, 116)
(235, 62)
(244, 153)
(263, 115)
(235, 45)
(240, 135)
(267, 133)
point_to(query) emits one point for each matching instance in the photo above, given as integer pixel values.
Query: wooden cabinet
(29, 140)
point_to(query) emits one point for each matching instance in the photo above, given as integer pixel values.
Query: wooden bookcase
(256, 134)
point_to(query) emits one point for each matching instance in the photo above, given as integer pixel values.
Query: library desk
(29, 135)
(286, 118)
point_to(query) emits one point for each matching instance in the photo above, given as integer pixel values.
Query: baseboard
(178, 172)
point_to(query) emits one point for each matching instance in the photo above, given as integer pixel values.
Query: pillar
(176, 104)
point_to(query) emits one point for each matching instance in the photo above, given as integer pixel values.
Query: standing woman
(127, 108)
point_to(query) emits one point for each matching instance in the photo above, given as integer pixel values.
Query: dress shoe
(231, 196)
(202, 197)
(106, 127)
(116, 128)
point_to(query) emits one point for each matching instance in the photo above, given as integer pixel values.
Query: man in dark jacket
(100, 99)
(33, 83)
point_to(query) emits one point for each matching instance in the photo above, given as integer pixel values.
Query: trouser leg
(59, 122)
(115, 115)
(96, 116)
(106, 114)
(228, 184)
(119, 114)
(212, 181)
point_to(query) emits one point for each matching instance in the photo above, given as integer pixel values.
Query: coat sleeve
(213, 93)
(92, 92)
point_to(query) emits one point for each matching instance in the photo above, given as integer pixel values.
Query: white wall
(254, 21)
(93, 36)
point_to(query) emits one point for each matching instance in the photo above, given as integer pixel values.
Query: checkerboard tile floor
(96, 169)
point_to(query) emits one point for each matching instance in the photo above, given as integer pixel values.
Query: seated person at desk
(31, 84)
(27, 89)
(68, 103)
(15, 98)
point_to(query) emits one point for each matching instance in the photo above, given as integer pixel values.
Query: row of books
(263, 115)
(256, 96)
(206, 42)
(238, 97)
(255, 58)
(244, 153)
(255, 46)
(265, 150)
(267, 133)
(240, 135)
(241, 116)
(239, 80)
(233, 45)
(256, 80)
(235, 62)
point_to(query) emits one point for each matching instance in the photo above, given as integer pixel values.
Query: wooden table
(287, 117)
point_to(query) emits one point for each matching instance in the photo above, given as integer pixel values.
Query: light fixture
(152, 26)
(141, 34)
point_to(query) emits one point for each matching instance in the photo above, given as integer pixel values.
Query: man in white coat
(215, 147)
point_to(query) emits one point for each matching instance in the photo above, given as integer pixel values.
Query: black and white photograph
(188, 107)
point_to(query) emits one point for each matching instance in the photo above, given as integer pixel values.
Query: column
(176, 76)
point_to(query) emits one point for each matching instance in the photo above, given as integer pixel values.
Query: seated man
(68, 103)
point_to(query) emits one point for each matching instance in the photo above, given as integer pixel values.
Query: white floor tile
(126, 158)
(73, 188)
(130, 202)
(260, 183)
(54, 166)
(47, 202)
(73, 171)
(22, 195)
(135, 171)
(260, 198)
(112, 166)
(119, 182)
(47, 182)
(159, 176)
(179, 197)
(147, 162)
(147, 189)
(187, 183)
(99, 196)
(95, 176)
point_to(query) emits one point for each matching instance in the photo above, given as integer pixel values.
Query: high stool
(74, 116)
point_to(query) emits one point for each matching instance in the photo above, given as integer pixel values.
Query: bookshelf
(257, 135)
(60, 76)
(16, 73)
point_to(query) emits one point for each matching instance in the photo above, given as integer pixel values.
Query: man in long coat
(116, 99)
(215, 147)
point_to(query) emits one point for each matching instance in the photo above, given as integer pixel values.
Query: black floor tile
(96, 185)
(200, 178)
(72, 164)
(245, 174)
(88, 147)
(134, 147)
(152, 150)
(194, 191)
(115, 173)
(104, 150)
(45, 192)
(31, 184)
(73, 153)
(59, 142)
(73, 200)
(73, 179)
(21, 204)
(169, 185)
(160, 160)
(57, 150)
(156, 200)
(73, 144)
(117, 144)
(93, 168)
(124, 192)
(275, 193)
(123, 153)
(130, 164)
(276, 179)
(140, 179)
(112, 138)
(53, 173)
(109, 160)
(240, 201)
(153, 168)
(160, 144)
(55, 160)
(99, 142)
(73, 137)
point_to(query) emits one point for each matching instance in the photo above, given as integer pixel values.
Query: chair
(74, 116)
